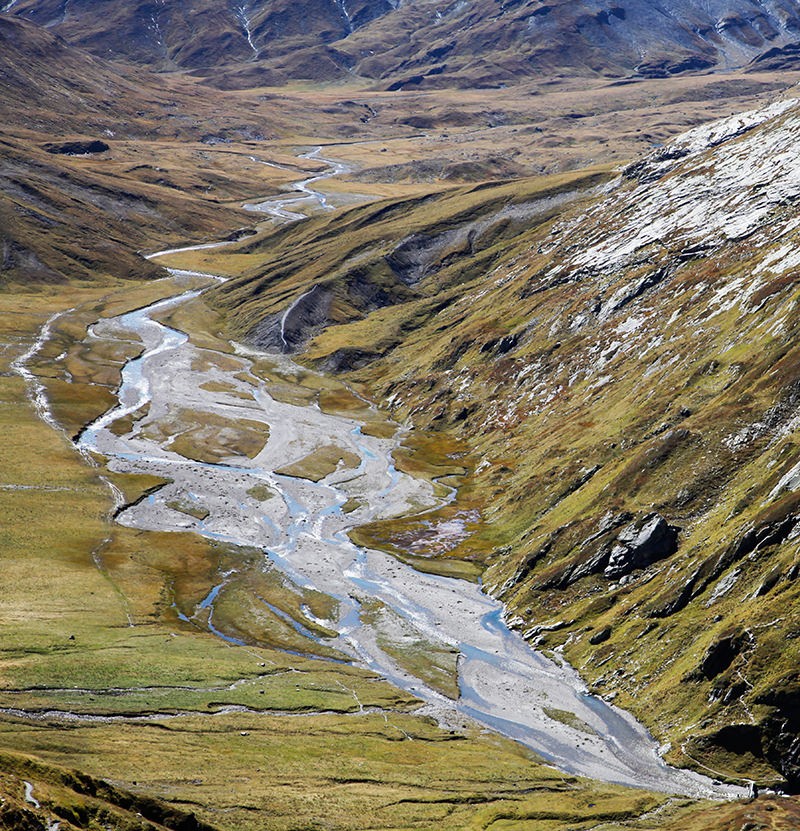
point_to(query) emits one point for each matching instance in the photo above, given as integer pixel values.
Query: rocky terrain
(429, 43)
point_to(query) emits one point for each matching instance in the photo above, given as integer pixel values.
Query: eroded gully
(503, 683)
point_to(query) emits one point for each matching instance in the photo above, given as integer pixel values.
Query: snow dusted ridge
(702, 138)
(624, 280)
(709, 197)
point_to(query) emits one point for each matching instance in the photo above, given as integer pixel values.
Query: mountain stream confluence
(503, 683)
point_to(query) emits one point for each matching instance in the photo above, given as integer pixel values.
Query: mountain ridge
(425, 43)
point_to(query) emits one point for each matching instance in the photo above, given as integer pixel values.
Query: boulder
(720, 655)
(601, 636)
(640, 544)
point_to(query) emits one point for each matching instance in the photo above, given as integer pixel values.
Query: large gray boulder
(643, 542)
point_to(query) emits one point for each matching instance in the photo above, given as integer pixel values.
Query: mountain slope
(429, 42)
(493, 43)
(617, 373)
(201, 34)
(93, 163)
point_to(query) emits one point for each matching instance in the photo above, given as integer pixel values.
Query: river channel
(502, 682)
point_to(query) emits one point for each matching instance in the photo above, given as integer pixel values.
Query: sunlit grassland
(370, 771)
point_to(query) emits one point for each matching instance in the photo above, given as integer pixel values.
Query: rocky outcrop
(290, 330)
(661, 161)
(779, 525)
(600, 636)
(720, 655)
(640, 544)
(77, 148)
(347, 360)
(420, 254)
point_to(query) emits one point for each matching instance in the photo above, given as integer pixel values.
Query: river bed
(503, 683)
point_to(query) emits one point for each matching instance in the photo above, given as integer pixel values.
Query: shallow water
(504, 684)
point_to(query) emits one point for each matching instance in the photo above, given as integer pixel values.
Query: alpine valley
(400, 406)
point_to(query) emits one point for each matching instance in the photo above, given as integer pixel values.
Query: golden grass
(321, 463)
(363, 771)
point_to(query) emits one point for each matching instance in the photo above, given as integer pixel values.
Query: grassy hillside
(613, 382)
(100, 161)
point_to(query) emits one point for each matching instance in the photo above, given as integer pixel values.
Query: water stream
(503, 683)
(303, 194)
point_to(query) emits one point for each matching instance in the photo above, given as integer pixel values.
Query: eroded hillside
(429, 43)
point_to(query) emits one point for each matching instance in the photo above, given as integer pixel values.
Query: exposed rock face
(346, 360)
(77, 148)
(289, 330)
(720, 655)
(601, 636)
(306, 314)
(661, 161)
(640, 544)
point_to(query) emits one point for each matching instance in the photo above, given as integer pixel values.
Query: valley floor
(156, 670)
(109, 665)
